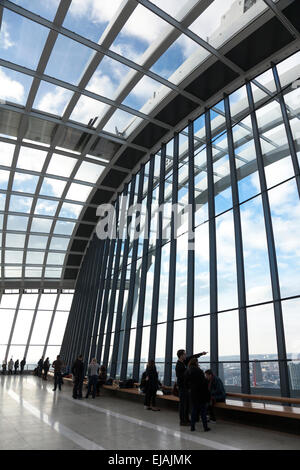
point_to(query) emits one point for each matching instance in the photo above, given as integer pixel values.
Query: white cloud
(11, 89)
(5, 40)
(54, 101)
(98, 12)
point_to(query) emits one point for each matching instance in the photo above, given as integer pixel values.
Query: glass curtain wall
(226, 278)
(33, 324)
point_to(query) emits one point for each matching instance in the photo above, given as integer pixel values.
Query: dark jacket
(152, 384)
(217, 389)
(78, 369)
(57, 365)
(181, 368)
(46, 365)
(197, 385)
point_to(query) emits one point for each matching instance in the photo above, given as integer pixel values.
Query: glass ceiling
(93, 67)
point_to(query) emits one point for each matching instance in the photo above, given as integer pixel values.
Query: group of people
(43, 367)
(197, 391)
(96, 376)
(13, 366)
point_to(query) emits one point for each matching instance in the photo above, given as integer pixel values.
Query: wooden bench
(235, 402)
(237, 406)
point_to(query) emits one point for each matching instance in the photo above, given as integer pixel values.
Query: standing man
(57, 365)
(78, 373)
(22, 363)
(40, 366)
(10, 366)
(46, 367)
(181, 366)
(16, 366)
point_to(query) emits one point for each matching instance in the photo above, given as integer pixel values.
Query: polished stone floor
(35, 417)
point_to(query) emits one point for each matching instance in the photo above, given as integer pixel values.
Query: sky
(69, 59)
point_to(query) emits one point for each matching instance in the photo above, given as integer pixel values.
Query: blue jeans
(92, 384)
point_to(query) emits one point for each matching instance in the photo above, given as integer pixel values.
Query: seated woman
(101, 379)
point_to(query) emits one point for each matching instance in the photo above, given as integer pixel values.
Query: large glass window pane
(202, 269)
(15, 222)
(20, 35)
(245, 160)
(89, 172)
(41, 327)
(291, 322)
(24, 183)
(34, 354)
(160, 350)
(261, 332)
(226, 262)
(257, 271)
(78, 192)
(68, 60)
(16, 352)
(41, 225)
(22, 327)
(202, 337)
(229, 338)
(31, 159)
(181, 277)
(52, 99)
(164, 283)
(149, 290)
(52, 187)
(65, 302)
(6, 319)
(6, 150)
(277, 160)
(9, 301)
(47, 301)
(60, 165)
(28, 301)
(145, 345)
(58, 328)
(285, 210)
(179, 337)
(15, 87)
(20, 204)
(44, 207)
(230, 374)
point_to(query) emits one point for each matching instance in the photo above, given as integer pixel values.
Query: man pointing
(181, 366)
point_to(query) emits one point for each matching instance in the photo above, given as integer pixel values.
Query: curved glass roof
(78, 81)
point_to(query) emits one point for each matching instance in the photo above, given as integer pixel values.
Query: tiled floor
(35, 417)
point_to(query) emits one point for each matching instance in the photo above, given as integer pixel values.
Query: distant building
(221, 372)
(294, 369)
(257, 373)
